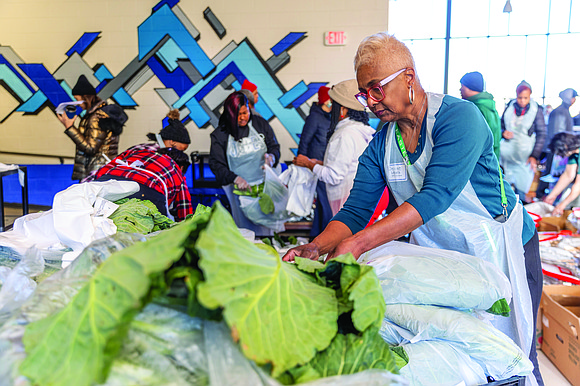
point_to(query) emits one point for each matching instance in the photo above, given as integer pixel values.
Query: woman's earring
(411, 95)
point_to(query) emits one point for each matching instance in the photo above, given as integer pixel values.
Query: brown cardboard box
(556, 224)
(560, 329)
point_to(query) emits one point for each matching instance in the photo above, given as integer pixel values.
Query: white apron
(467, 227)
(246, 156)
(514, 153)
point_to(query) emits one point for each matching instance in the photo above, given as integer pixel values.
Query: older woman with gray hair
(436, 156)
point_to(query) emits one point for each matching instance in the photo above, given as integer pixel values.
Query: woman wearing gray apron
(436, 156)
(240, 146)
(523, 137)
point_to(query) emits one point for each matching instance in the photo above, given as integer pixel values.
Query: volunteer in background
(313, 141)
(240, 146)
(445, 179)
(524, 133)
(247, 85)
(160, 175)
(472, 86)
(565, 145)
(97, 136)
(351, 133)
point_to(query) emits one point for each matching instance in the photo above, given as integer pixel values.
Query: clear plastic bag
(301, 184)
(278, 192)
(419, 275)
(492, 349)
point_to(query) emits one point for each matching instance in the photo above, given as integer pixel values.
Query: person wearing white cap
(350, 134)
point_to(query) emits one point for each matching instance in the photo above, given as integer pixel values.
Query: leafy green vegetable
(138, 216)
(308, 265)
(266, 203)
(500, 307)
(77, 345)
(254, 190)
(400, 355)
(349, 354)
(278, 313)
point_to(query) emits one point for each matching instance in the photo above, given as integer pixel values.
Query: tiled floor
(550, 373)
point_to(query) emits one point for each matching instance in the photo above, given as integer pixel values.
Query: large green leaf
(138, 216)
(349, 354)
(279, 314)
(369, 303)
(77, 345)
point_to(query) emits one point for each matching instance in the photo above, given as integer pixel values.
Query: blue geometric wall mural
(168, 47)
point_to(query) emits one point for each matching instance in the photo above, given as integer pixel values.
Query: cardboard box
(556, 224)
(560, 329)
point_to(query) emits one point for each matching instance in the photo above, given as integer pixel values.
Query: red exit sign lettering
(335, 38)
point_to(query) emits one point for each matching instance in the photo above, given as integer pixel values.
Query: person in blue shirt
(436, 156)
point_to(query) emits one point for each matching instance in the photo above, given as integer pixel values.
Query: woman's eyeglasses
(376, 92)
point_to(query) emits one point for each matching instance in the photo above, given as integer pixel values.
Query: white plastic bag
(419, 275)
(278, 192)
(434, 362)
(491, 348)
(301, 184)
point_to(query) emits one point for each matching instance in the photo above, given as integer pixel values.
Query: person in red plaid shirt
(158, 170)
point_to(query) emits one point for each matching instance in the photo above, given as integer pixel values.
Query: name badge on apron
(397, 172)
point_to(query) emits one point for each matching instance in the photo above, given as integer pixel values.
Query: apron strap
(503, 196)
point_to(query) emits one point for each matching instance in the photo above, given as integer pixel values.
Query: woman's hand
(302, 160)
(308, 251)
(347, 245)
(241, 183)
(507, 134)
(269, 159)
(66, 121)
(533, 163)
(549, 200)
(558, 210)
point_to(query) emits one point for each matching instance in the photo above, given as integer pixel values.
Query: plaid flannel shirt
(162, 166)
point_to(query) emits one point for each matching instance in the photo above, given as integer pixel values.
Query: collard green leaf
(349, 354)
(77, 345)
(266, 203)
(400, 355)
(278, 313)
(369, 303)
(500, 307)
(307, 265)
(138, 216)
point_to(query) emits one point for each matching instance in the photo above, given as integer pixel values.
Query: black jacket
(218, 161)
(313, 139)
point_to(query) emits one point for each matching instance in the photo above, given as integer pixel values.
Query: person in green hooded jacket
(472, 86)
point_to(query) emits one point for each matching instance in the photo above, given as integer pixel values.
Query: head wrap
(344, 94)
(247, 85)
(83, 87)
(473, 81)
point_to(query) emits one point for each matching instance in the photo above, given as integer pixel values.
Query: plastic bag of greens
(434, 362)
(18, 285)
(228, 366)
(269, 209)
(491, 348)
(49, 297)
(420, 275)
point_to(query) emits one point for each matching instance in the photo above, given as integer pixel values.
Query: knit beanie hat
(175, 130)
(567, 95)
(344, 94)
(83, 87)
(247, 85)
(523, 86)
(323, 95)
(473, 81)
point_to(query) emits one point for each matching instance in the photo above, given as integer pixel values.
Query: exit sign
(335, 38)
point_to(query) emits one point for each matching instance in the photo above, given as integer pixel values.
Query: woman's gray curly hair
(383, 48)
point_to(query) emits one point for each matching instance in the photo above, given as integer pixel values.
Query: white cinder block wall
(41, 31)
